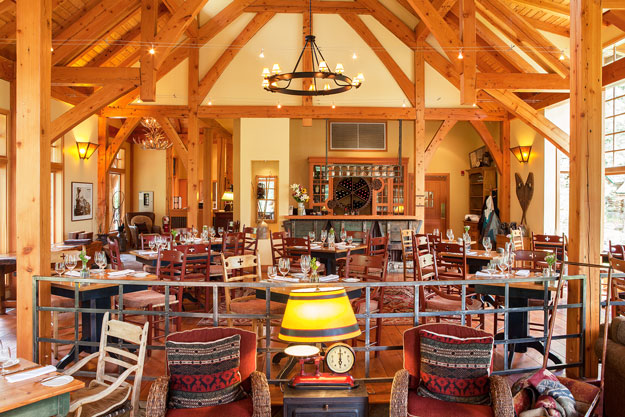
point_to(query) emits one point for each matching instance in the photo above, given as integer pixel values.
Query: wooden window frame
(275, 199)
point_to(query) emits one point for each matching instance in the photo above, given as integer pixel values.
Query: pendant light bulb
(460, 56)
(279, 105)
(262, 53)
(333, 105)
(354, 56)
(562, 56)
(151, 50)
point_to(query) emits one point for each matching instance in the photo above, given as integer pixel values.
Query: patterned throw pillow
(204, 374)
(455, 369)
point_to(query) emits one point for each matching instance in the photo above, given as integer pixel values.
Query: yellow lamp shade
(318, 315)
(228, 196)
(86, 149)
(522, 153)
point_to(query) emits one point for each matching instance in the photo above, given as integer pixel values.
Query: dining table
(150, 257)
(519, 295)
(97, 296)
(30, 398)
(329, 256)
(476, 258)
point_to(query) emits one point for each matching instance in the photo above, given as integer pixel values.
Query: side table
(327, 403)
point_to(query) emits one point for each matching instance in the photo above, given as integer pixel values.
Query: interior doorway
(436, 202)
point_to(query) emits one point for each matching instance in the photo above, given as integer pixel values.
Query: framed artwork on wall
(82, 201)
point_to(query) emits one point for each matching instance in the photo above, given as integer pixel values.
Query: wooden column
(419, 131)
(503, 199)
(102, 176)
(193, 139)
(12, 179)
(469, 63)
(33, 168)
(587, 172)
(207, 213)
(221, 169)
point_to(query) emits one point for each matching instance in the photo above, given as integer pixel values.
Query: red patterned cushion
(204, 373)
(455, 369)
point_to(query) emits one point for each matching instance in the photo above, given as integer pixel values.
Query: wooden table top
(153, 256)
(521, 285)
(19, 394)
(104, 278)
(335, 250)
(11, 258)
(474, 254)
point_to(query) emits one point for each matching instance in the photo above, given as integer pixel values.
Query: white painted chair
(109, 395)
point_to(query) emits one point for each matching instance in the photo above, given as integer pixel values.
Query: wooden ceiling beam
(443, 7)
(494, 149)
(301, 6)
(93, 75)
(68, 95)
(391, 22)
(613, 4)
(532, 118)
(209, 80)
(120, 137)
(613, 72)
(436, 141)
(397, 73)
(7, 6)
(7, 69)
(616, 18)
(518, 30)
(149, 19)
(468, 36)
(172, 6)
(546, 6)
(167, 37)
(548, 27)
(522, 81)
(89, 26)
(148, 110)
(170, 131)
(214, 124)
(222, 19)
(91, 105)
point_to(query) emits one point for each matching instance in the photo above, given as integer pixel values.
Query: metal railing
(416, 316)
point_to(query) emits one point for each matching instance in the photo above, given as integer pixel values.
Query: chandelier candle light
(154, 138)
(330, 82)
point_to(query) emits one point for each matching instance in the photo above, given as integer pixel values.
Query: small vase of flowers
(314, 265)
(551, 263)
(84, 272)
(300, 195)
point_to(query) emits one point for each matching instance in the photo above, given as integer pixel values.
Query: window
(4, 178)
(266, 198)
(116, 178)
(56, 191)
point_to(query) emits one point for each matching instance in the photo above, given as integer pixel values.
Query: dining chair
(248, 304)
(617, 251)
(558, 244)
(250, 240)
(407, 254)
(377, 245)
(233, 244)
(172, 266)
(517, 239)
(434, 298)
(277, 246)
(112, 395)
(233, 227)
(434, 239)
(369, 268)
(114, 255)
(146, 238)
(197, 258)
(451, 267)
(358, 236)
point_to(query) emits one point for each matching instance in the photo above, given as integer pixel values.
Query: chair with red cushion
(258, 404)
(406, 402)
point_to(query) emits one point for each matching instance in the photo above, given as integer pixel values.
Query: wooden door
(436, 202)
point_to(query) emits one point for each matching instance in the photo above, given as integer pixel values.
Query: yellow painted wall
(5, 95)
(149, 174)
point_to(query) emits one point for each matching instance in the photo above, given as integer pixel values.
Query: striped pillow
(204, 374)
(455, 369)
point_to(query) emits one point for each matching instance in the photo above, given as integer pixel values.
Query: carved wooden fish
(524, 192)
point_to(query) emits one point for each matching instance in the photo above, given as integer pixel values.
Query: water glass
(435, 232)
(59, 268)
(450, 234)
(5, 355)
(487, 244)
(152, 244)
(304, 263)
(284, 265)
(183, 238)
(220, 231)
(100, 260)
(272, 272)
(211, 232)
(343, 235)
(502, 263)
(70, 262)
(311, 236)
(324, 236)
(350, 239)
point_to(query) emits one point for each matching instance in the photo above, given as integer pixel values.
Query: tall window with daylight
(117, 190)
(4, 178)
(56, 191)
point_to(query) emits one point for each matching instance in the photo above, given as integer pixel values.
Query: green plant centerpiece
(551, 263)
(314, 265)
(174, 233)
(466, 237)
(331, 238)
(84, 272)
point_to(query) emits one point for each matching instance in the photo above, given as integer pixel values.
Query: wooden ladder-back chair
(146, 238)
(377, 245)
(407, 254)
(517, 239)
(358, 236)
(434, 239)
(197, 260)
(277, 246)
(114, 255)
(172, 266)
(250, 240)
(233, 244)
(617, 251)
(369, 268)
(556, 244)
(246, 304)
(433, 298)
(58, 301)
(109, 394)
(450, 267)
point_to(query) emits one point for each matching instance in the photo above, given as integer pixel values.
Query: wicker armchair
(405, 401)
(258, 404)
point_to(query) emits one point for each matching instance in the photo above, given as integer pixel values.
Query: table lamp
(317, 315)
(228, 197)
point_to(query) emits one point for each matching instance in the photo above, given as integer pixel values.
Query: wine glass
(324, 236)
(5, 355)
(343, 235)
(152, 244)
(502, 263)
(272, 272)
(435, 232)
(194, 232)
(220, 231)
(183, 238)
(100, 260)
(311, 236)
(487, 244)
(284, 265)
(510, 261)
(450, 234)
(304, 263)
(350, 239)
(59, 268)
(70, 262)
(211, 232)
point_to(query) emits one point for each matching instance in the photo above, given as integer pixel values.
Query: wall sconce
(86, 149)
(522, 153)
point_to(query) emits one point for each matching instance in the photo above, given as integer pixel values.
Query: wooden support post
(504, 186)
(169, 180)
(587, 172)
(149, 18)
(419, 131)
(34, 24)
(207, 213)
(12, 179)
(193, 139)
(102, 213)
(469, 63)
(221, 165)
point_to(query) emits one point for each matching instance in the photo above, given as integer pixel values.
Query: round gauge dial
(340, 358)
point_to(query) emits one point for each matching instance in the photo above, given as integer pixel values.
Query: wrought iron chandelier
(330, 82)
(153, 138)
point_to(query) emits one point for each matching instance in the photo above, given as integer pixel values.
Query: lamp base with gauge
(338, 352)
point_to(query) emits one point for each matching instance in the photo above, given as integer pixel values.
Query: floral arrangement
(314, 264)
(83, 257)
(466, 229)
(551, 260)
(299, 193)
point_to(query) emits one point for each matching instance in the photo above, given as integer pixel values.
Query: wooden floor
(384, 366)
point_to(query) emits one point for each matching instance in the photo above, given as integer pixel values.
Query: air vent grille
(357, 136)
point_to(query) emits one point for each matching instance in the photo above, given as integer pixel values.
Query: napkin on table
(471, 252)
(73, 274)
(121, 273)
(285, 279)
(329, 278)
(523, 273)
(33, 373)
(487, 275)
